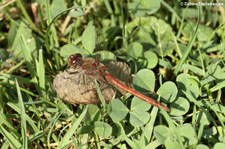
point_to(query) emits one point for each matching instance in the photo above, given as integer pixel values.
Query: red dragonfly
(96, 70)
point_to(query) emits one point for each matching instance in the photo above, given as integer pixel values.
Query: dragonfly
(94, 69)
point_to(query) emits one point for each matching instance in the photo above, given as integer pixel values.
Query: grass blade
(23, 117)
(13, 141)
(40, 68)
(28, 118)
(28, 60)
(188, 50)
(70, 132)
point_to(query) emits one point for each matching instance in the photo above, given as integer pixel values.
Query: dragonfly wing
(122, 72)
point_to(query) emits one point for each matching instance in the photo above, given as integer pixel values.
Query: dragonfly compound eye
(75, 60)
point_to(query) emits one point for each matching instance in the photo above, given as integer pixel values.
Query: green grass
(176, 55)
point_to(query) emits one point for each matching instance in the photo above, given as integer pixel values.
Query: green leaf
(152, 59)
(219, 145)
(221, 131)
(138, 114)
(142, 7)
(187, 131)
(92, 113)
(106, 55)
(135, 50)
(164, 37)
(143, 33)
(89, 38)
(210, 132)
(138, 118)
(168, 91)
(153, 32)
(139, 105)
(117, 110)
(87, 128)
(19, 29)
(186, 83)
(57, 7)
(172, 143)
(203, 118)
(161, 133)
(212, 47)
(144, 80)
(202, 146)
(76, 13)
(180, 107)
(70, 49)
(204, 33)
(103, 129)
(188, 30)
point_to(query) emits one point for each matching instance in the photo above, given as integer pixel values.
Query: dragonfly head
(75, 60)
